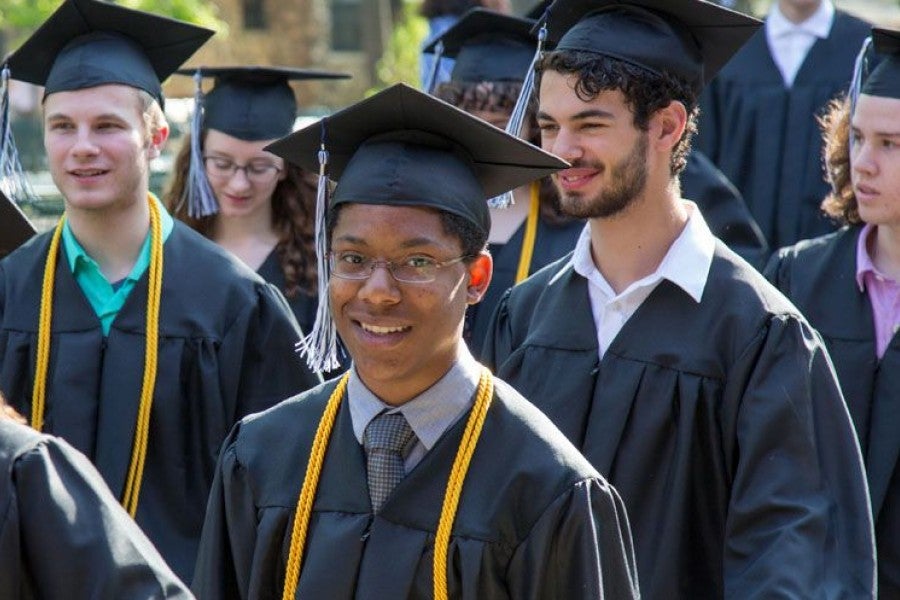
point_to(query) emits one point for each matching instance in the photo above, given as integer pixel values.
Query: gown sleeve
(76, 540)
(579, 548)
(224, 562)
(798, 521)
(261, 348)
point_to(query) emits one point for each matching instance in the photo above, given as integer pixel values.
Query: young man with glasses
(127, 334)
(417, 474)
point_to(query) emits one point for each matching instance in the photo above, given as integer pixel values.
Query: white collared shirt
(686, 264)
(791, 42)
(429, 414)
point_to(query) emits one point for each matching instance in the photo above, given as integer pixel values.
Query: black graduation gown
(764, 136)
(62, 534)
(819, 276)
(719, 422)
(535, 522)
(302, 305)
(723, 209)
(226, 349)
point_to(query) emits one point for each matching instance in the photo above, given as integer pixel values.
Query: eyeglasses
(256, 171)
(415, 269)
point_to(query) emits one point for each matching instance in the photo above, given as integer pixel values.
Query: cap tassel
(13, 182)
(320, 346)
(201, 200)
(435, 67)
(860, 70)
(520, 111)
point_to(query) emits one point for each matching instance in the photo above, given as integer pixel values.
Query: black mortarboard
(884, 81)
(690, 39)
(87, 43)
(252, 102)
(403, 147)
(15, 228)
(487, 46)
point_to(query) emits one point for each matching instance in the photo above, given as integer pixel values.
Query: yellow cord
(151, 354)
(39, 391)
(451, 498)
(154, 293)
(457, 478)
(534, 209)
(308, 491)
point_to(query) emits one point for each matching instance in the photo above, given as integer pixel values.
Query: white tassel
(13, 182)
(860, 68)
(320, 347)
(201, 200)
(520, 111)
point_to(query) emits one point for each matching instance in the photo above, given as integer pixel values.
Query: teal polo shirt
(108, 298)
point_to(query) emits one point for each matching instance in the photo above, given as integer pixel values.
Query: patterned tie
(386, 436)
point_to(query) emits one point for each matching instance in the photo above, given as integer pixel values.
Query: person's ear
(668, 125)
(158, 137)
(480, 271)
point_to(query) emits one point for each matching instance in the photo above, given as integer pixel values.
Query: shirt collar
(864, 262)
(818, 24)
(430, 413)
(76, 255)
(686, 264)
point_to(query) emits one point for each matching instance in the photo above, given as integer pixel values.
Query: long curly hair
(293, 216)
(501, 96)
(840, 204)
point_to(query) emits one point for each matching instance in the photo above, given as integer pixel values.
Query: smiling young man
(681, 374)
(478, 496)
(128, 335)
(848, 284)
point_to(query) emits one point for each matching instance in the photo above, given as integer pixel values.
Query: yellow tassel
(154, 293)
(534, 213)
(458, 472)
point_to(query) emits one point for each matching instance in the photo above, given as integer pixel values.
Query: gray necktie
(384, 440)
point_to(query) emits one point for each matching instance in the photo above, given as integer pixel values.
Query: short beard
(627, 180)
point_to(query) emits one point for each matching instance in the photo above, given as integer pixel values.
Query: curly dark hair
(472, 240)
(293, 215)
(645, 91)
(840, 204)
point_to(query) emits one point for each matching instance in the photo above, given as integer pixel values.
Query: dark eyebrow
(591, 113)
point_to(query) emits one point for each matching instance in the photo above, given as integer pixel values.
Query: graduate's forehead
(877, 114)
(559, 100)
(110, 98)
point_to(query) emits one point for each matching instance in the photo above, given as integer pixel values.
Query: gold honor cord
(154, 292)
(534, 213)
(451, 498)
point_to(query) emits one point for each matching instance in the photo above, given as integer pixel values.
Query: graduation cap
(884, 81)
(690, 39)
(403, 147)
(487, 46)
(250, 103)
(87, 43)
(15, 228)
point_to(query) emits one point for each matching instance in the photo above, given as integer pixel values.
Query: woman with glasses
(243, 198)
